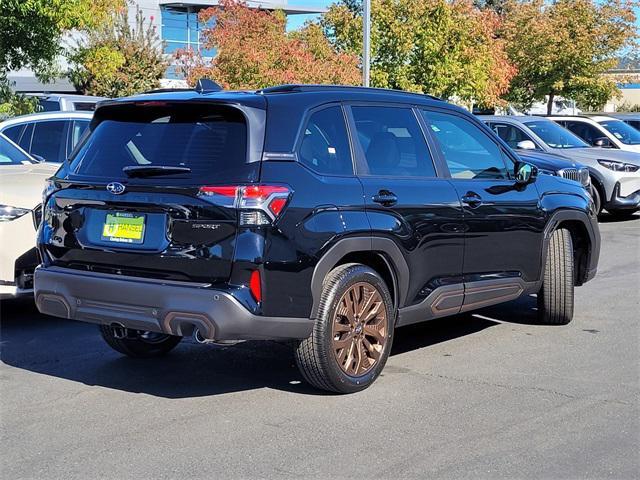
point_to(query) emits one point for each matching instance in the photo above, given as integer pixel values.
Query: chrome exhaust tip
(118, 330)
(197, 336)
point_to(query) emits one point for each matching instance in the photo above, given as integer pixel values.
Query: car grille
(580, 175)
(37, 216)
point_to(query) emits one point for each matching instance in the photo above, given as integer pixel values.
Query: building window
(181, 29)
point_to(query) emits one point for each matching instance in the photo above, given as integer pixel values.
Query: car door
(503, 221)
(407, 201)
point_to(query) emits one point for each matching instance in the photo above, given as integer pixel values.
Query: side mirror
(602, 142)
(525, 173)
(38, 158)
(526, 145)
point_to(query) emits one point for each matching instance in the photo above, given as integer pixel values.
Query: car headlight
(8, 213)
(619, 166)
(547, 172)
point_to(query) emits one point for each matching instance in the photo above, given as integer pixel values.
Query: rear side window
(325, 144)
(78, 128)
(49, 140)
(209, 140)
(84, 106)
(392, 142)
(468, 151)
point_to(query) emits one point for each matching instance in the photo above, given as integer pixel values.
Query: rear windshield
(209, 140)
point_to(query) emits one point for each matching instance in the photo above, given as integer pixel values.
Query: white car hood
(600, 153)
(22, 185)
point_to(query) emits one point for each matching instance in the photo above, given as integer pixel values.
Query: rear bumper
(176, 308)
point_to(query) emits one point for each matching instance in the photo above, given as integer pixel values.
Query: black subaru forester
(326, 215)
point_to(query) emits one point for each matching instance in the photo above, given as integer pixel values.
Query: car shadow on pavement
(74, 351)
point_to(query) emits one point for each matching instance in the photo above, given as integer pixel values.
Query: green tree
(31, 34)
(445, 48)
(117, 59)
(564, 48)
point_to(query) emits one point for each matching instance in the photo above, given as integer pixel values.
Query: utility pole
(366, 43)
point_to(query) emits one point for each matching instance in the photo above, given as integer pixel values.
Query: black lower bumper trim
(156, 306)
(630, 202)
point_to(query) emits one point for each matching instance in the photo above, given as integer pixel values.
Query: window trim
(300, 137)
(488, 133)
(361, 165)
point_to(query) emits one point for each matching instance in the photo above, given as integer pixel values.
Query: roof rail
(291, 88)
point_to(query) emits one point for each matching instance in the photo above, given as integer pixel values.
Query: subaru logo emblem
(115, 188)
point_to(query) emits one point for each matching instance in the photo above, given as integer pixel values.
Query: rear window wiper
(153, 170)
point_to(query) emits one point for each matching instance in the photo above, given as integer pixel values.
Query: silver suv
(615, 174)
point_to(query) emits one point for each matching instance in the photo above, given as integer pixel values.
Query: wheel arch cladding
(380, 254)
(585, 241)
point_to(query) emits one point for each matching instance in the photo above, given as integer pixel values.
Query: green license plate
(123, 227)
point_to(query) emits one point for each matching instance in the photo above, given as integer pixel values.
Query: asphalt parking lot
(487, 395)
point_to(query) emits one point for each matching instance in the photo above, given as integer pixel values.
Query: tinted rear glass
(84, 106)
(210, 140)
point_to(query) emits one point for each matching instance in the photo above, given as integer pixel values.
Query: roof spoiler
(205, 85)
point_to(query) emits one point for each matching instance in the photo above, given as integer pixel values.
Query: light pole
(366, 43)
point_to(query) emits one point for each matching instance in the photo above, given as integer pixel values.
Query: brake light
(255, 286)
(258, 204)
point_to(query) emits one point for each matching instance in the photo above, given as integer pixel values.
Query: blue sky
(296, 21)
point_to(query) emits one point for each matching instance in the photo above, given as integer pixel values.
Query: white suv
(21, 183)
(601, 131)
(48, 136)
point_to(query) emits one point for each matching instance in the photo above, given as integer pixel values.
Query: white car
(602, 131)
(22, 180)
(48, 136)
(54, 102)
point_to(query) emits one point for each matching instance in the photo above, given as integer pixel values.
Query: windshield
(554, 135)
(197, 144)
(12, 155)
(622, 131)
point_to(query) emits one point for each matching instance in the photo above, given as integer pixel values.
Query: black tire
(316, 356)
(597, 198)
(555, 298)
(138, 346)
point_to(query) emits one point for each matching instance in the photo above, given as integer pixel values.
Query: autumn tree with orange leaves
(254, 50)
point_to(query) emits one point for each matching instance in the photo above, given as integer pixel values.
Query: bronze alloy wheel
(359, 329)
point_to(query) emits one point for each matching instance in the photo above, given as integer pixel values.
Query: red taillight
(224, 191)
(263, 191)
(276, 205)
(255, 287)
(261, 204)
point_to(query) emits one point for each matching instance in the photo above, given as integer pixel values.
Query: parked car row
(614, 174)
(319, 214)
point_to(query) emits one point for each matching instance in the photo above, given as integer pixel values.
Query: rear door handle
(385, 198)
(472, 199)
